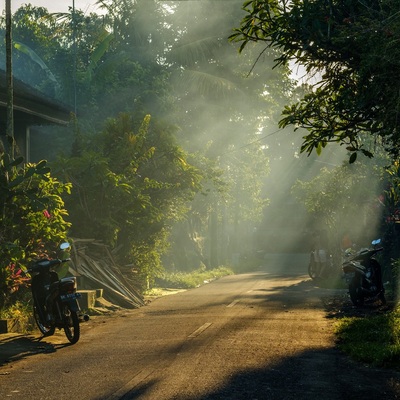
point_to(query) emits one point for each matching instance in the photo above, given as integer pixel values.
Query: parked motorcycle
(321, 265)
(55, 301)
(363, 274)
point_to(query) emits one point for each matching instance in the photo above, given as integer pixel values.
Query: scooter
(363, 274)
(55, 301)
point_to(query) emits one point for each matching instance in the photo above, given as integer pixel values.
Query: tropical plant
(31, 218)
(131, 182)
(350, 48)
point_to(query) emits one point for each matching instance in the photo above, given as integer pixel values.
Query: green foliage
(140, 55)
(38, 48)
(126, 46)
(351, 49)
(131, 182)
(21, 311)
(34, 57)
(374, 340)
(343, 198)
(31, 218)
(224, 107)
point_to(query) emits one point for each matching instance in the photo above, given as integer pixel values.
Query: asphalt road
(262, 335)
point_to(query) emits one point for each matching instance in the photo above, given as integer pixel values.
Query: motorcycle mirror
(64, 245)
(375, 242)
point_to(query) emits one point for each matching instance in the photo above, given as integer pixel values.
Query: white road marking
(198, 331)
(234, 302)
(140, 377)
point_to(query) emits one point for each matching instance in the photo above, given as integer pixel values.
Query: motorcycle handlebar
(45, 263)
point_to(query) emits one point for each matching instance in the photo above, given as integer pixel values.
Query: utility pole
(9, 78)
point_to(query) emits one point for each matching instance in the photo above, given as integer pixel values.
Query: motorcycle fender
(73, 305)
(72, 301)
(353, 268)
(350, 269)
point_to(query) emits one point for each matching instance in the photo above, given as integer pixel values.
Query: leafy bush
(21, 312)
(31, 219)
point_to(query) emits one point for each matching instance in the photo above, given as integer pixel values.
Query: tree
(224, 106)
(340, 199)
(132, 76)
(131, 182)
(124, 61)
(351, 49)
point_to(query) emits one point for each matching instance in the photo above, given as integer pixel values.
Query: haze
(56, 5)
(240, 131)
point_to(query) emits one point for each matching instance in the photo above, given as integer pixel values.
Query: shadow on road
(309, 375)
(15, 348)
(324, 378)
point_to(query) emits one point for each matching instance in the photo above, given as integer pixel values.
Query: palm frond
(34, 57)
(192, 52)
(206, 84)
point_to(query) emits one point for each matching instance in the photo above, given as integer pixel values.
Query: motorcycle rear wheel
(46, 329)
(313, 269)
(356, 294)
(71, 324)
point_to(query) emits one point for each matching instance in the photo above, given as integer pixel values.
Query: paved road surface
(262, 335)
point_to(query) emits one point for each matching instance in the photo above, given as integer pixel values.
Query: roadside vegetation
(373, 339)
(188, 280)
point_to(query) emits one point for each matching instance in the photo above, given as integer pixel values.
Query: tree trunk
(213, 229)
(9, 75)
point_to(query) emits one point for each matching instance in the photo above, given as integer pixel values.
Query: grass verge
(188, 280)
(371, 339)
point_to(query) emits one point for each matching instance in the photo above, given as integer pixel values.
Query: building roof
(37, 108)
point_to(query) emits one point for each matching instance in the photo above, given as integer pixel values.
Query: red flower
(46, 214)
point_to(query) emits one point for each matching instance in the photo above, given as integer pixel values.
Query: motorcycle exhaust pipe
(369, 292)
(84, 318)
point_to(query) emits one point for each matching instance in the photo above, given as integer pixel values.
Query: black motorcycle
(363, 274)
(55, 301)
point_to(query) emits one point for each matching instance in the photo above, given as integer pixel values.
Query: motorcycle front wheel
(46, 329)
(382, 297)
(71, 324)
(356, 294)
